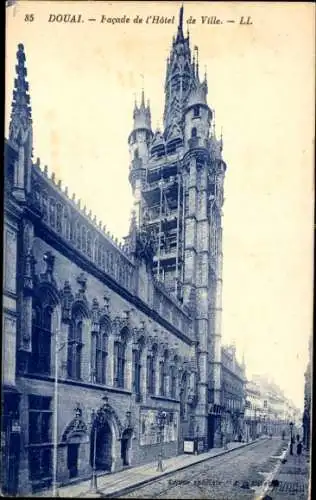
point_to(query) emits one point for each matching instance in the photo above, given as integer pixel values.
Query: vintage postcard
(158, 243)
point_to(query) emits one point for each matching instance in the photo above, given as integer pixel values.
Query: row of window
(40, 361)
(59, 217)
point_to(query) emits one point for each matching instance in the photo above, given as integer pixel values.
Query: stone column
(143, 371)
(190, 235)
(86, 351)
(110, 362)
(128, 366)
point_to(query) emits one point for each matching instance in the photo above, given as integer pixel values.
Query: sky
(83, 79)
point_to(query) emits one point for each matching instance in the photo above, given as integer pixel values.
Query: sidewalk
(121, 482)
(292, 478)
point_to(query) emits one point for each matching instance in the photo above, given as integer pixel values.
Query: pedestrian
(240, 438)
(297, 438)
(299, 448)
(283, 435)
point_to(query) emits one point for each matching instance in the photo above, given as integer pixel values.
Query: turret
(141, 134)
(139, 141)
(198, 115)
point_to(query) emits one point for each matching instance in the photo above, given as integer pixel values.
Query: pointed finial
(135, 101)
(143, 99)
(180, 25)
(21, 117)
(66, 190)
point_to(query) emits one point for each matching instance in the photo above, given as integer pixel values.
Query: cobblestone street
(237, 475)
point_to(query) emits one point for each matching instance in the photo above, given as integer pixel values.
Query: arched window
(102, 258)
(44, 206)
(163, 372)
(75, 345)
(84, 239)
(77, 235)
(151, 361)
(59, 216)
(89, 244)
(95, 250)
(41, 339)
(119, 361)
(196, 111)
(193, 132)
(52, 212)
(137, 369)
(173, 378)
(183, 396)
(136, 154)
(66, 224)
(101, 353)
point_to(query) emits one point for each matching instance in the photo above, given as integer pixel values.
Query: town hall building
(134, 328)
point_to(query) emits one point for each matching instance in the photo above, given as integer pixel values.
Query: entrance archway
(126, 442)
(101, 439)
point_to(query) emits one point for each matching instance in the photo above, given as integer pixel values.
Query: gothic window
(151, 379)
(52, 212)
(77, 235)
(102, 257)
(59, 214)
(119, 362)
(164, 374)
(101, 353)
(66, 223)
(161, 378)
(83, 239)
(196, 111)
(183, 396)
(41, 339)
(45, 206)
(136, 154)
(39, 450)
(89, 244)
(136, 370)
(75, 345)
(95, 250)
(173, 379)
(193, 132)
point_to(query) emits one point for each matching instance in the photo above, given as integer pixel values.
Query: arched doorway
(126, 442)
(101, 446)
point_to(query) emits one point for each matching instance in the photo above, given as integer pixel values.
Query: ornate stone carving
(76, 427)
(145, 245)
(95, 316)
(47, 276)
(106, 413)
(29, 272)
(82, 282)
(67, 300)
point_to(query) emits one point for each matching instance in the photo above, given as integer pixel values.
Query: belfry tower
(177, 176)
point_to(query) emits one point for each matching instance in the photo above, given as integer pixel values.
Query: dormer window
(196, 111)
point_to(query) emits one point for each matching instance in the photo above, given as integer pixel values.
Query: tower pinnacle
(180, 35)
(21, 119)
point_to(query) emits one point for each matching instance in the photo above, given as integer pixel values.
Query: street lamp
(291, 444)
(161, 419)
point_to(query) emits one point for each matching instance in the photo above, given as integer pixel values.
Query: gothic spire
(21, 119)
(180, 36)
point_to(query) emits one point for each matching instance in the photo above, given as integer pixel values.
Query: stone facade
(268, 411)
(233, 385)
(125, 329)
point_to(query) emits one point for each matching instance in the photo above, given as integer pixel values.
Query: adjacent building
(126, 329)
(307, 420)
(233, 381)
(268, 410)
